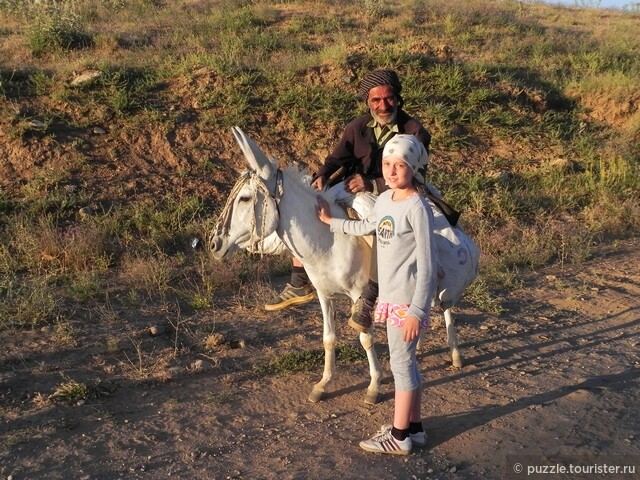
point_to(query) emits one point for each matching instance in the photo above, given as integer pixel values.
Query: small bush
(38, 244)
(307, 360)
(70, 391)
(127, 90)
(25, 305)
(374, 9)
(53, 30)
(154, 274)
(41, 83)
(479, 294)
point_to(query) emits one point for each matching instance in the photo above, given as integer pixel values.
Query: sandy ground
(555, 375)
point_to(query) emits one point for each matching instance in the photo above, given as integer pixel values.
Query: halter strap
(222, 225)
(279, 190)
(224, 220)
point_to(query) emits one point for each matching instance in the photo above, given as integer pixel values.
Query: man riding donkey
(354, 169)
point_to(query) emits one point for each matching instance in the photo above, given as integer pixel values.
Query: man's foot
(385, 442)
(360, 319)
(291, 296)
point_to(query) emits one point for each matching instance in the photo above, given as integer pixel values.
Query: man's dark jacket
(358, 150)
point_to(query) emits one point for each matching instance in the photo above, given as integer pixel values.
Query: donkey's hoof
(371, 398)
(456, 360)
(316, 395)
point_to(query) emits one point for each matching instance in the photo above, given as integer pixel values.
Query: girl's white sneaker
(385, 442)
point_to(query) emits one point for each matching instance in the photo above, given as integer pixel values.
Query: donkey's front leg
(329, 343)
(375, 370)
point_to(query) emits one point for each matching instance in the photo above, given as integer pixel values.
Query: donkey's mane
(298, 173)
(301, 176)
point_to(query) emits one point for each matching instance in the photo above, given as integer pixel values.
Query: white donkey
(266, 200)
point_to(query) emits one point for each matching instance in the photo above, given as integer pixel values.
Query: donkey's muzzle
(215, 244)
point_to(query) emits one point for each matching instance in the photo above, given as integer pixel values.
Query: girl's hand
(323, 210)
(411, 328)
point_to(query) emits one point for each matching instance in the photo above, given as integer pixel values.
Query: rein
(224, 220)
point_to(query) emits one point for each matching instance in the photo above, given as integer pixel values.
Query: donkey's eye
(244, 199)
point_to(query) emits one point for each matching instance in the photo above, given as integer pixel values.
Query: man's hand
(318, 183)
(357, 183)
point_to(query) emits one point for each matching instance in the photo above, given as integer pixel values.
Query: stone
(37, 124)
(86, 212)
(156, 330)
(86, 76)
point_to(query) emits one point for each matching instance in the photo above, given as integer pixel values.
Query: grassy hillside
(533, 111)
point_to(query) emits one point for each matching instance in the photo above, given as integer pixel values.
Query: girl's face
(396, 173)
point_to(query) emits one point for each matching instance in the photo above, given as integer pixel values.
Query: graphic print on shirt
(386, 230)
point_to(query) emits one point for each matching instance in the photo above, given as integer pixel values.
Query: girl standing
(403, 223)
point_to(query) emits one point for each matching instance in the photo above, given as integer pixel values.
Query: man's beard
(384, 120)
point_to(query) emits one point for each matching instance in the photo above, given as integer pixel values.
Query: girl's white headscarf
(411, 150)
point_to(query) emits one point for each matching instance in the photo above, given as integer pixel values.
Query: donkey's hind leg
(452, 338)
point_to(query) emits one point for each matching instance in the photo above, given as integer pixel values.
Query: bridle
(250, 178)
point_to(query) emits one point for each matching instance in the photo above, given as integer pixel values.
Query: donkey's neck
(335, 263)
(299, 228)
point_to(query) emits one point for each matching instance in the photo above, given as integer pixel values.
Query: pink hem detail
(395, 315)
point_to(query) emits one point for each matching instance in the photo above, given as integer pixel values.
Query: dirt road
(556, 374)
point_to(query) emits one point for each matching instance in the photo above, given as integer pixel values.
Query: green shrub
(54, 30)
(70, 391)
(25, 305)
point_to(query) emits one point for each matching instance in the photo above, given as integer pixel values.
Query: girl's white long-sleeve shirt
(407, 257)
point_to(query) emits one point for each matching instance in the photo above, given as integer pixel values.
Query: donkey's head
(251, 212)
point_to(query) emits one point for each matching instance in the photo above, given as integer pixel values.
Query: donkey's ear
(256, 158)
